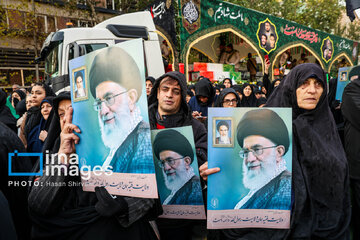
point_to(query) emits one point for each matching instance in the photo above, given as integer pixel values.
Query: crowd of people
(36, 120)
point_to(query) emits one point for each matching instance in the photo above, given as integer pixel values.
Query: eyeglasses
(169, 161)
(244, 153)
(230, 102)
(109, 101)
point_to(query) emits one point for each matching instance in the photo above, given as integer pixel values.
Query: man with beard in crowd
(175, 155)
(116, 88)
(264, 143)
(168, 109)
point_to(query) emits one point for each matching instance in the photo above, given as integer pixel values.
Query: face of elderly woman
(309, 93)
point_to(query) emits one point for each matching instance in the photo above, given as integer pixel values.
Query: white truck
(62, 46)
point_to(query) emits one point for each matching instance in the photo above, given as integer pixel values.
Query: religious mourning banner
(253, 149)
(109, 101)
(162, 12)
(177, 173)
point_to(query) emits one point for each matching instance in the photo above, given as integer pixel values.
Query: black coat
(321, 207)
(350, 108)
(16, 195)
(7, 229)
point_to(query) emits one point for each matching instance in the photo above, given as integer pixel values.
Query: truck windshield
(53, 61)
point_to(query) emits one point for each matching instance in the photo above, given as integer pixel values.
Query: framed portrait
(267, 35)
(343, 76)
(223, 132)
(327, 49)
(80, 84)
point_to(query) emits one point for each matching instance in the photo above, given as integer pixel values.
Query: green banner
(267, 34)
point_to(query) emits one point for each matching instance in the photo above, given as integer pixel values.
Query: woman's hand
(43, 135)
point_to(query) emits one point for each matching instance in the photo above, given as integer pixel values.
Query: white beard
(182, 175)
(224, 140)
(113, 135)
(256, 179)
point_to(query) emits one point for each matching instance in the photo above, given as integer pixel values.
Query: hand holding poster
(177, 173)
(253, 187)
(110, 108)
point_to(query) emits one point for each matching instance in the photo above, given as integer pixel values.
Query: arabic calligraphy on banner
(158, 10)
(344, 46)
(226, 12)
(306, 35)
(221, 219)
(183, 212)
(190, 10)
(125, 184)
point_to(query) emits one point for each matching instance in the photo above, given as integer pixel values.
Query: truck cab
(62, 46)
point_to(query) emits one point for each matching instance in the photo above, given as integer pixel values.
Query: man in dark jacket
(168, 109)
(350, 108)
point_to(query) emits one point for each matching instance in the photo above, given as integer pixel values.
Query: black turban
(116, 65)
(222, 122)
(266, 123)
(172, 140)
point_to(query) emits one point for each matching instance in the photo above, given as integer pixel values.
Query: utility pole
(35, 43)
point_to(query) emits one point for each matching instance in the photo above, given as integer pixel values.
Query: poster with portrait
(267, 36)
(327, 49)
(114, 150)
(253, 187)
(177, 173)
(343, 80)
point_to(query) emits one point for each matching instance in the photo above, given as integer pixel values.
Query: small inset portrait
(327, 49)
(223, 132)
(267, 36)
(80, 86)
(343, 76)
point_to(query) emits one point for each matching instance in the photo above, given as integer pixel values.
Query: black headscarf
(5, 114)
(249, 101)
(205, 88)
(52, 142)
(34, 115)
(22, 96)
(320, 171)
(223, 93)
(21, 107)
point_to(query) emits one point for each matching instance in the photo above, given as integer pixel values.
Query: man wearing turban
(175, 155)
(223, 129)
(264, 139)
